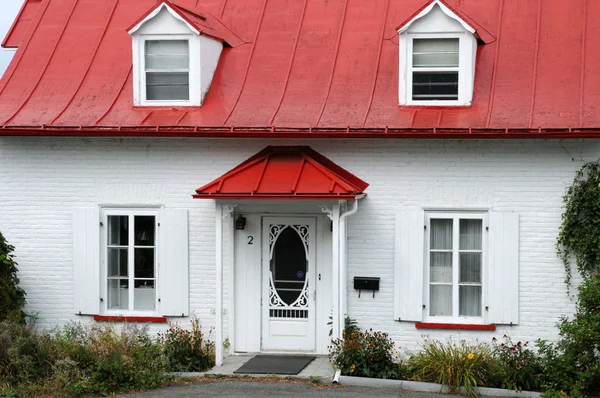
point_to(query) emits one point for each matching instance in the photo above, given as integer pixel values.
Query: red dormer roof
(203, 22)
(308, 68)
(285, 172)
(478, 30)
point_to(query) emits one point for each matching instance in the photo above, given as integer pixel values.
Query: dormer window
(438, 49)
(175, 55)
(167, 70)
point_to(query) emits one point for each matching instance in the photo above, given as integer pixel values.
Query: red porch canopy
(285, 172)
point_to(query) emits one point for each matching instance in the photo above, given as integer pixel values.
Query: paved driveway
(238, 388)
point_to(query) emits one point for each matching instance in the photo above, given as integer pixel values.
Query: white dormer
(438, 50)
(174, 60)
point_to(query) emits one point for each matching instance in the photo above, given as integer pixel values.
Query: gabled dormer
(175, 55)
(438, 52)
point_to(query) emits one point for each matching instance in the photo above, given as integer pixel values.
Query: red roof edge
(352, 185)
(300, 132)
(480, 32)
(224, 33)
(8, 39)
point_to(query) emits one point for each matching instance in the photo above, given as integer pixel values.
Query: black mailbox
(366, 283)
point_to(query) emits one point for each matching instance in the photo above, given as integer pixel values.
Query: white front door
(288, 301)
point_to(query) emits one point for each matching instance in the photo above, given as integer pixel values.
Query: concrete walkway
(212, 387)
(320, 368)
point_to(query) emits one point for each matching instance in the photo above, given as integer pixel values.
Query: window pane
(435, 53)
(117, 262)
(470, 300)
(435, 86)
(144, 296)
(144, 230)
(117, 230)
(470, 267)
(144, 263)
(441, 267)
(440, 300)
(167, 86)
(118, 294)
(167, 54)
(470, 234)
(441, 234)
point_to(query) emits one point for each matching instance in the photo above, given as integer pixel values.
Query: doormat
(275, 364)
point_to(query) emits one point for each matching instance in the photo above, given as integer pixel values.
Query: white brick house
(465, 180)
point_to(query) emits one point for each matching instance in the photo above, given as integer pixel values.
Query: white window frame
(457, 215)
(130, 212)
(467, 49)
(139, 70)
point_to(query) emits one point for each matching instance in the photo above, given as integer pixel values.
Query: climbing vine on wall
(579, 233)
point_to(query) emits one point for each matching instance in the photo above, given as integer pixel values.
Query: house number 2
(250, 240)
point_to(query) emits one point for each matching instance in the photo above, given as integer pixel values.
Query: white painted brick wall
(43, 179)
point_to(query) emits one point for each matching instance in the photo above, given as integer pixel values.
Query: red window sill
(117, 318)
(454, 326)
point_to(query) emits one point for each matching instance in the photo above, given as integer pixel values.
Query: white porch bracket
(223, 213)
(327, 209)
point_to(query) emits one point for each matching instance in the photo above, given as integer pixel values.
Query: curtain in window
(167, 69)
(435, 53)
(470, 252)
(440, 289)
(167, 54)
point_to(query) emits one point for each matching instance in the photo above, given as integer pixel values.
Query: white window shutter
(503, 275)
(173, 285)
(86, 260)
(408, 276)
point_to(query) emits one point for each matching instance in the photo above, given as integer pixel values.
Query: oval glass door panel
(289, 265)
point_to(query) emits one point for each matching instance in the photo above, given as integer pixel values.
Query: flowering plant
(366, 354)
(517, 366)
(453, 364)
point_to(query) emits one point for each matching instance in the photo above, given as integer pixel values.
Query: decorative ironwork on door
(288, 273)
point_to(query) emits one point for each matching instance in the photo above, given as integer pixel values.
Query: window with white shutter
(130, 261)
(457, 267)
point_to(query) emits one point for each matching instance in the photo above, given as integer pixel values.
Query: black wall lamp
(240, 223)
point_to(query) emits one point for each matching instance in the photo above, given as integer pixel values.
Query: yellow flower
(470, 356)
(352, 368)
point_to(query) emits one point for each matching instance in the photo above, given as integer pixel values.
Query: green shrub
(188, 350)
(365, 354)
(572, 365)
(453, 365)
(112, 361)
(12, 297)
(23, 353)
(78, 360)
(516, 367)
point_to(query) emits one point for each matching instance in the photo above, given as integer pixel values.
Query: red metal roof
(309, 65)
(204, 22)
(285, 172)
